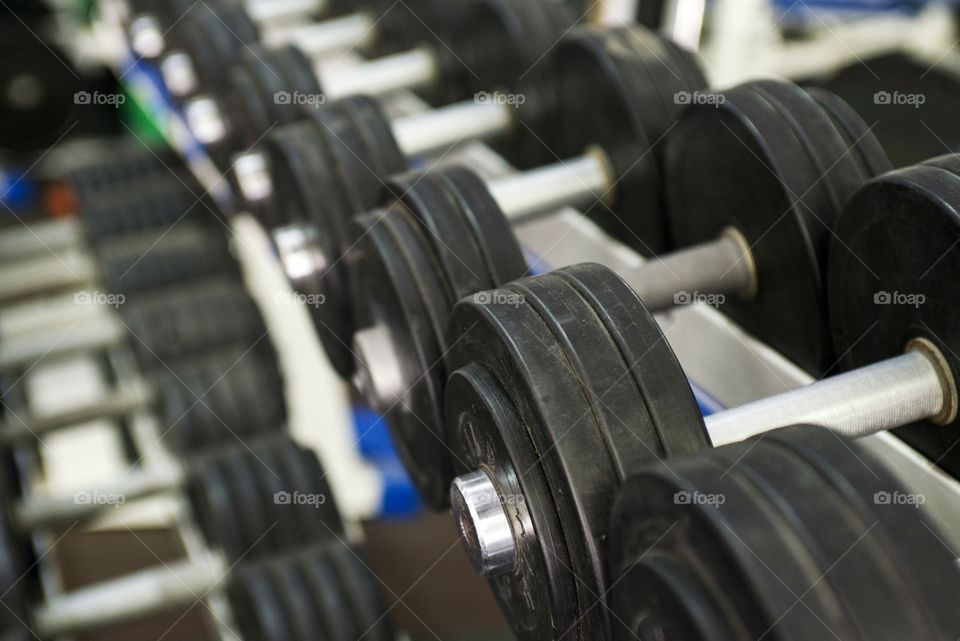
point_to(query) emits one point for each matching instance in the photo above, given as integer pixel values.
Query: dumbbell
(250, 501)
(205, 365)
(160, 200)
(450, 233)
(268, 87)
(798, 534)
(152, 23)
(128, 266)
(563, 386)
(208, 41)
(327, 590)
(127, 269)
(324, 175)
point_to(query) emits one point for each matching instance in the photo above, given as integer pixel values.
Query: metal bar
(130, 597)
(878, 397)
(414, 69)
(439, 129)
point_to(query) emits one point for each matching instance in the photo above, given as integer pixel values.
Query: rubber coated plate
(859, 137)
(273, 481)
(211, 503)
(301, 611)
(892, 278)
(539, 598)
(625, 71)
(428, 200)
(738, 164)
(614, 399)
(503, 257)
(836, 166)
(327, 595)
(672, 408)
(509, 337)
(861, 477)
(241, 470)
(676, 558)
(396, 286)
(257, 606)
(718, 559)
(361, 589)
(137, 263)
(845, 539)
(322, 515)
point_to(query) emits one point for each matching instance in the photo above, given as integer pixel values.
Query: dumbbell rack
(727, 367)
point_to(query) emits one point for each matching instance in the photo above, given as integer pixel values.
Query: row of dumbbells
(276, 544)
(551, 408)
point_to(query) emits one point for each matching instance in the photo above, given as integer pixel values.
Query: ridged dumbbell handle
(45, 512)
(115, 405)
(911, 387)
(131, 597)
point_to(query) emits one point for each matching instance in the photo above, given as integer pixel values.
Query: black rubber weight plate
(870, 155)
(838, 172)
(397, 286)
(492, 232)
(614, 399)
(915, 554)
(362, 590)
(892, 277)
(670, 403)
(738, 164)
(509, 338)
(539, 599)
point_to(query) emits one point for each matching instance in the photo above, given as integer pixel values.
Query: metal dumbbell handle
(416, 135)
(147, 34)
(721, 266)
(414, 69)
(50, 511)
(117, 404)
(38, 239)
(67, 267)
(82, 336)
(917, 385)
(131, 597)
(317, 40)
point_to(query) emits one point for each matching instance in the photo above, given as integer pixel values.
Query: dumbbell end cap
(483, 523)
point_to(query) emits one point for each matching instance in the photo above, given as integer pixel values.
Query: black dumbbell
(250, 502)
(451, 233)
(320, 185)
(212, 39)
(562, 386)
(326, 590)
(271, 87)
(151, 24)
(205, 367)
(767, 538)
(159, 200)
(127, 269)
